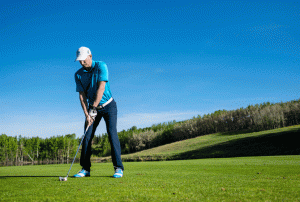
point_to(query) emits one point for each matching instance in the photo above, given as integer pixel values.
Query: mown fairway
(224, 179)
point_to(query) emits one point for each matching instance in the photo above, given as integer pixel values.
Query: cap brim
(81, 57)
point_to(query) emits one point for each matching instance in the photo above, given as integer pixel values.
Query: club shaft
(78, 149)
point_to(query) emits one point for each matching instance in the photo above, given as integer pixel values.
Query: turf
(269, 178)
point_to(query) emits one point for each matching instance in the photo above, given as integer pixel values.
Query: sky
(167, 59)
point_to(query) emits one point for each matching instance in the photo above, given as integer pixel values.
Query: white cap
(82, 53)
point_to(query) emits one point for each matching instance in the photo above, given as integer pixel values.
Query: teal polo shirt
(86, 81)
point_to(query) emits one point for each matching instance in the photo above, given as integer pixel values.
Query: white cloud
(44, 129)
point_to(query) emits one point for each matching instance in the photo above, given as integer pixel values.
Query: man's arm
(99, 94)
(84, 104)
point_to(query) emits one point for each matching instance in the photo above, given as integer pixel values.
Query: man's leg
(85, 158)
(110, 117)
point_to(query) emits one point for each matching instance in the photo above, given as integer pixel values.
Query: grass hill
(255, 118)
(281, 141)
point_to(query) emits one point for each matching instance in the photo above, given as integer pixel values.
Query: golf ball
(62, 179)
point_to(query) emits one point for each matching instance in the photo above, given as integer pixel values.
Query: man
(97, 102)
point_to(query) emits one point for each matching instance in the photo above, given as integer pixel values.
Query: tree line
(257, 117)
(22, 150)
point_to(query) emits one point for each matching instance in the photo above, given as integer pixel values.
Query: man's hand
(93, 112)
(89, 121)
(90, 118)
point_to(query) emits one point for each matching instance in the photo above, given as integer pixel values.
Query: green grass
(281, 141)
(258, 178)
(223, 179)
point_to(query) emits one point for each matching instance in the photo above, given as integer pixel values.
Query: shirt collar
(93, 65)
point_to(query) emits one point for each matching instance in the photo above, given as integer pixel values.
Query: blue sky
(167, 59)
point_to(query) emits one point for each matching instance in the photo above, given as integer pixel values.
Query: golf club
(65, 178)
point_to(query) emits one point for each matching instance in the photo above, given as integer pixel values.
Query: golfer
(96, 100)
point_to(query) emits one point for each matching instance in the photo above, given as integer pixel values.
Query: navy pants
(109, 113)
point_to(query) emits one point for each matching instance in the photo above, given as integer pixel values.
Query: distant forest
(60, 149)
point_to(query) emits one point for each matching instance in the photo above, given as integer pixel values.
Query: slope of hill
(282, 141)
(255, 118)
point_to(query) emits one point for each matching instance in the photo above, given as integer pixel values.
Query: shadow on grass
(272, 144)
(2, 177)
(25, 176)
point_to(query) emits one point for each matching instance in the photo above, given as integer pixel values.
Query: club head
(63, 178)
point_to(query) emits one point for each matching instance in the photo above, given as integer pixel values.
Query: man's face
(87, 63)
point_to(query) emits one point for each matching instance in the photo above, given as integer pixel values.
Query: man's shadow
(16, 176)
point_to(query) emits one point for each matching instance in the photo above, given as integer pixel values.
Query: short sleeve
(103, 72)
(79, 87)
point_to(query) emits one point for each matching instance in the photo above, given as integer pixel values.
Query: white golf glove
(93, 113)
